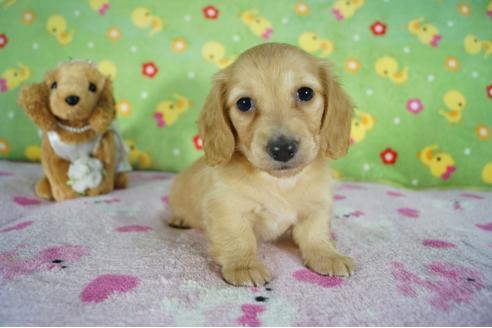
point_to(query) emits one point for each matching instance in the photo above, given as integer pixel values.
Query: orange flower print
(483, 132)
(452, 64)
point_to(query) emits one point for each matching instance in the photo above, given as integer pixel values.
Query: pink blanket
(423, 258)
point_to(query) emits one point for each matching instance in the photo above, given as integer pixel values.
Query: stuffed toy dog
(82, 152)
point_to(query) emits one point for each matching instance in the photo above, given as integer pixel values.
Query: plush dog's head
(280, 107)
(74, 93)
(75, 88)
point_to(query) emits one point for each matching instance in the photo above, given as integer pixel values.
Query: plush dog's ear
(337, 116)
(214, 125)
(35, 101)
(105, 111)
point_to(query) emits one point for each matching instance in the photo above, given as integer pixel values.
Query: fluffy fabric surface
(423, 258)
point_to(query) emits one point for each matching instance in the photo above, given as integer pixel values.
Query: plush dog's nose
(282, 149)
(72, 100)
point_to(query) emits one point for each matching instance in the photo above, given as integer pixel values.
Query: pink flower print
(414, 106)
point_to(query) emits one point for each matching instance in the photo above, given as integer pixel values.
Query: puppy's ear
(214, 125)
(105, 111)
(35, 101)
(337, 116)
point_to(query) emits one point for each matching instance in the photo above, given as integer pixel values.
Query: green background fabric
(405, 106)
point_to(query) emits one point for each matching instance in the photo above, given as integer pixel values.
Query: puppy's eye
(92, 87)
(245, 104)
(54, 85)
(305, 94)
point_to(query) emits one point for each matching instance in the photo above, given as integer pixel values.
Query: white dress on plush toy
(86, 172)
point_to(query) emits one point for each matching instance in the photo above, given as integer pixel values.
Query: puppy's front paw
(331, 264)
(254, 274)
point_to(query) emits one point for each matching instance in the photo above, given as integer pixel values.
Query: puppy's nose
(282, 149)
(72, 100)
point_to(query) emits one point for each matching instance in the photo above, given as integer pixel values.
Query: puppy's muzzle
(282, 149)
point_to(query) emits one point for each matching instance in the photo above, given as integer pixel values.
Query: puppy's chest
(273, 219)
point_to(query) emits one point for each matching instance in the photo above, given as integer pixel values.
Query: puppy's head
(75, 88)
(280, 107)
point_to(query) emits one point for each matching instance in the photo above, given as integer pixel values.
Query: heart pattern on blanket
(103, 286)
(409, 212)
(486, 226)
(133, 228)
(433, 243)
(26, 201)
(18, 226)
(305, 275)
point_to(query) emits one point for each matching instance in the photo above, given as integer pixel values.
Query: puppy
(269, 124)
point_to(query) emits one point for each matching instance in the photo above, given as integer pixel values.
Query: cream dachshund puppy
(270, 123)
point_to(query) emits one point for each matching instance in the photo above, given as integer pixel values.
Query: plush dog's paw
(60, 194)
(255, 274)
(101, 190)
(332, 264)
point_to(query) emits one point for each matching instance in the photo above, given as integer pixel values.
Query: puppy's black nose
(72, 100)
(282, 149)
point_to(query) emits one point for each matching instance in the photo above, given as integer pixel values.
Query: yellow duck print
(33, 153)
(138, 158)
(344, 9)
(487, 173)
(168, 112)
(441, 164)
(215, 52)
(143, 18)
(388, 67)
(426, 33)
(57, 26)
(312, 43)
(101, 6)
(108, 68)
(8, 3)
(361, 123)
(473, 45)
(260, 26)
(13, 77)
(455, 101)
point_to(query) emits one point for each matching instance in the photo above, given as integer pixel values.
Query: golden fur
(239, 194)
(46, 106)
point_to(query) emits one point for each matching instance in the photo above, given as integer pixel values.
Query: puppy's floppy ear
(105, 110)
(337, 116)
(214, 125)
(35, 101)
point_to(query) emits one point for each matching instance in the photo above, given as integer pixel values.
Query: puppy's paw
(178, 223)
(331, 264)
(254, 274)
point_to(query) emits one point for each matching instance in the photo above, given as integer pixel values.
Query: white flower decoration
(85, 173)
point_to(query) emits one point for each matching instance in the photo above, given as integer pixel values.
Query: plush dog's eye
(92, 87)
(305, 94)
(54, 85)
(244, 104)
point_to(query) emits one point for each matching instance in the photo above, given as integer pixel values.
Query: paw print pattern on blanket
(448, 284)
(12, 265)
(209, 306)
